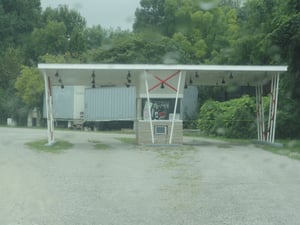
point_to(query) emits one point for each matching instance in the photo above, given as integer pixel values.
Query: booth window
(161, 129)
(160, 109)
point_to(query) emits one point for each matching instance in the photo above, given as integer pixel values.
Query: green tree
(30, 87)
(287, 37)
(69, 17)
(199, 30)
(10, 65)
(62, 30)
(150, 16)
(51, 39)
(127, 47)
(65, 58)
(77, 43)
(253, 45)
(94, 36)
(17, 20)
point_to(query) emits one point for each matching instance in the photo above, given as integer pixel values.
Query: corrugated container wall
(111, 103)
(190, 102)
(78, 102)
(63, 103)
(68, 102)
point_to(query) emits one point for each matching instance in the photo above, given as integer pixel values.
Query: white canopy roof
(116, 74)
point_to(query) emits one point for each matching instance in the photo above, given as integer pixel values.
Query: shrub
(233, 119)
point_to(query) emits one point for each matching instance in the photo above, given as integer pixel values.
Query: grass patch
(99, 145)
(41, 145)
(290, 148)
(131, 141)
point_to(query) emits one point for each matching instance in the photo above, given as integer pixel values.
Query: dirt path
(209, 184)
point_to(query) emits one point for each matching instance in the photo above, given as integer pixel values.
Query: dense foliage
(234, 118)
(164, 31)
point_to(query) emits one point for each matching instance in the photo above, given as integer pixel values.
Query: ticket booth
(159, 107)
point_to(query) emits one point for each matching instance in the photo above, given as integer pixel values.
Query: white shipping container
(68, 102)
(111, 103)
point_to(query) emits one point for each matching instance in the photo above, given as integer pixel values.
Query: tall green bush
(233, 119)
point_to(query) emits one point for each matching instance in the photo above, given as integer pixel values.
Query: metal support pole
(175, 108)
(257, 114)
(260, 113)
(149, 106)
(273, 108)
(49, 109)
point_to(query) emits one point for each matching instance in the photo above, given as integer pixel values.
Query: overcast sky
(107, 13)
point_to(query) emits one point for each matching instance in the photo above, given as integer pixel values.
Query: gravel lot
(210, 183)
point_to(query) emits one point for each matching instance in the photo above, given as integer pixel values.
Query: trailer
(68, 106)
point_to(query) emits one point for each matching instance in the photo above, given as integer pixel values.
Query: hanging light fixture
(230, 76)
(223, 81)
(185, 85)
(191, 81)
(62, 86)
(93, 79)
(162, 86)
(128, 77)
(196, 75)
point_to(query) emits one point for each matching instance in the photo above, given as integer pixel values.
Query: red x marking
(161, 81)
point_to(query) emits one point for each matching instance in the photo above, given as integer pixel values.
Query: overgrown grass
(290, 148)
(131, 141)
(227, 141)
(57, 147)
(99, 145)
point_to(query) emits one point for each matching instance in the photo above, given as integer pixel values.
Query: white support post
(260, 113)
(175, 108)
(49, 109)
(276, 104)
(273, 108)
(149, 106)
(257, 114)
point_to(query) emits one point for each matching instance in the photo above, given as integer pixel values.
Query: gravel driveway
(210, 183)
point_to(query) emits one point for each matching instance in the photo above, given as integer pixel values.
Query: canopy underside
(116, 74)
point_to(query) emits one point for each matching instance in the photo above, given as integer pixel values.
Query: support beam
(175, 108)
(257, 113)
(273, 108)
(270, 123)
(49, 109)
(276, 104)
(149, 106)
(260, 114)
